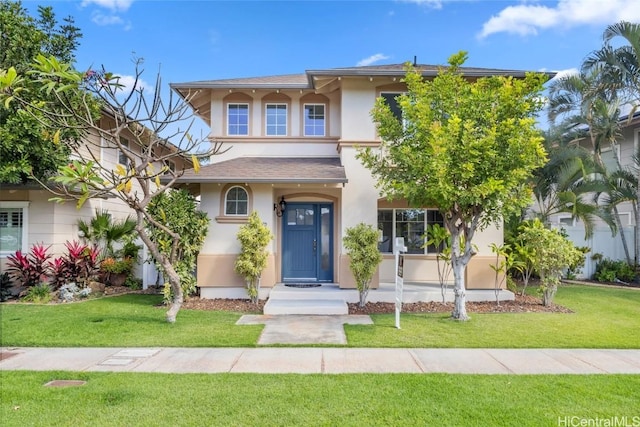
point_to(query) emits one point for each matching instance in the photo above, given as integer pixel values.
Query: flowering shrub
(116, 266)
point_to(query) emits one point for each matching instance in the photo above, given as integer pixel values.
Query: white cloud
(104, 20)
(528, 19)
(435, 4)
(568, 72)
(370, 60)
(114, 5)
(128, 84)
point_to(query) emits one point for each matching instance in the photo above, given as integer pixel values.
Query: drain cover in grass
(65, 383)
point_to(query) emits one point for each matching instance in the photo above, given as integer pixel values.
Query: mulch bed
(522, 304)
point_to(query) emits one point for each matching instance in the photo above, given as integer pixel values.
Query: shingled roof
(270, 170)
(306, 80)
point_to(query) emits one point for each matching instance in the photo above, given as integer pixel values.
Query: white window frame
(226, 199)
(277, 125)
(561, 218)
(393, 229)
(235, 124)
(25, 224)
(324, 118)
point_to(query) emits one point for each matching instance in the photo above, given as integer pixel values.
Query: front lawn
(122, 321)
(602, 318)
(109, 399)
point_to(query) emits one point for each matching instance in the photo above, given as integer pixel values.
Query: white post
(399, 247)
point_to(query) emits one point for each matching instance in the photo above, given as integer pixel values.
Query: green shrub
(5, 286)
(133, 283)
(39, 294)
(609, 270)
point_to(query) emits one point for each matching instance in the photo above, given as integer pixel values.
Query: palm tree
(567, 183)
(103, 231)
(587, 104)
(621, 65)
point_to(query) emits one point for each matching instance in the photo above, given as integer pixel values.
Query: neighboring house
(27, 217)
(292, 142)
(603, 242)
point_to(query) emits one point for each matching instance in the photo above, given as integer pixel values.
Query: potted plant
(115, 271)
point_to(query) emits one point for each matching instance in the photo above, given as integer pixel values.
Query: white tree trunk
(459, 307)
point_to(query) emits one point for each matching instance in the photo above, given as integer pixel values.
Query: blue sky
(202, 40)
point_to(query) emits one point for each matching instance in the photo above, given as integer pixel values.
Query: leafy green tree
(25, 144)
(465, 147)
(160, 129)
(552, 253)
(254, 237)
(361, 243)
(178, 211)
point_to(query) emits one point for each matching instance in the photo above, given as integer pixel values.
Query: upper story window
(410, 224)
(314, 120)
(276, 119)
(238, 119)
(236, 202)
(122, 157)
(390, 98)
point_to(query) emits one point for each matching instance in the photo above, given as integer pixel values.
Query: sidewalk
(323, 360)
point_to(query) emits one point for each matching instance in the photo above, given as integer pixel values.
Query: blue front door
(307, 242)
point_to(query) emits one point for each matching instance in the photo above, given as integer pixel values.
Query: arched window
(236, 202)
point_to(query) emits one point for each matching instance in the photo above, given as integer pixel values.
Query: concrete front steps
(322, 300)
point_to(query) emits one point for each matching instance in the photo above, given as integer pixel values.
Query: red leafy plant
(79, 264)
(31, 269)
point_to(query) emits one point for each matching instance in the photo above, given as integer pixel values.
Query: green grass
(602, 318)
(119, 399)
(128, 320)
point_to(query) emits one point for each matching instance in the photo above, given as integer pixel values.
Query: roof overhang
(269, 170)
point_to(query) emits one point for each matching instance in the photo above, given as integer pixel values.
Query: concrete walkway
(303, 329)
(323, 360)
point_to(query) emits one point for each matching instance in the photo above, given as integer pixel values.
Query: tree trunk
(636, 256)
(625, 246)
(363, 297)
(459, 307)
(548, 294)
(174, 281)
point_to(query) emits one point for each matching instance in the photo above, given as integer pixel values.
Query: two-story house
(292, 145)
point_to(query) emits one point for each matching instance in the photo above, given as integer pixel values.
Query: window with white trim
(314, 120)
(238, 119)
(566, 221)
(122, 157)
(276, 119)
(236, 202)
(13, 227)
(410, 224)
